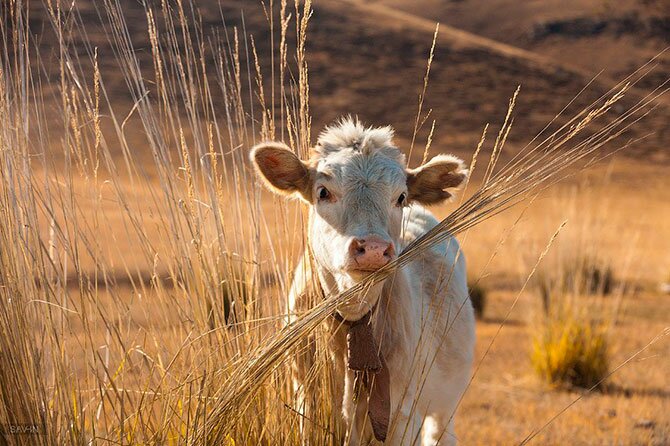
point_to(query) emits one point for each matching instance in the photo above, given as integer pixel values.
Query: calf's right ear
(436, 180)
(281, 169)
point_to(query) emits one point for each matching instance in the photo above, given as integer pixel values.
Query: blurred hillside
(369, 59)
(588, 35)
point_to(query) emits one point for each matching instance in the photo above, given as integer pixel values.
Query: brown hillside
(370, 61)
(593, 35)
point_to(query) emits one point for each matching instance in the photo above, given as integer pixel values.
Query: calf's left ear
(436, 180)
(281, 169)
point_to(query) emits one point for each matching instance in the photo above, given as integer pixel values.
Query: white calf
(406, 345)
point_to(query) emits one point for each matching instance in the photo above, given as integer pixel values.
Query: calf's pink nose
(371, 252)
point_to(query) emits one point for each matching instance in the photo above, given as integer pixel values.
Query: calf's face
(356, 200)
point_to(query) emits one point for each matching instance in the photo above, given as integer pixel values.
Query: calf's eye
(323, 193)
(401, 199)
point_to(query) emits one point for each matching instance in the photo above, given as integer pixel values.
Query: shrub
(577, 276)
(573, 351)
(593, 277)
(478, 298)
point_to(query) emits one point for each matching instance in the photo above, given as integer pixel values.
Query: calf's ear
(436, 180)
(281, 169)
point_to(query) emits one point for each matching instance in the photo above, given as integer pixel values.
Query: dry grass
(142, 296)
(572, 326)
(507, 401)
(571, 350)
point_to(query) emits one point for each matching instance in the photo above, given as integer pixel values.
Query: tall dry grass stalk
(135, 263)
(140, 285)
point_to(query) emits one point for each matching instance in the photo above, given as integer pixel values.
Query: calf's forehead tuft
(349, 133)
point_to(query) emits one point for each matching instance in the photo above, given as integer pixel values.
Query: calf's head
(356, 183)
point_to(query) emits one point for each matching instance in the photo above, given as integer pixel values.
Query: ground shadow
(627, 392)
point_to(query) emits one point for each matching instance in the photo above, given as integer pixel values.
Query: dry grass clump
(589, 276)
(579, 275)
(135, 263)
(571, 350)
(578, 264)
(579, 297)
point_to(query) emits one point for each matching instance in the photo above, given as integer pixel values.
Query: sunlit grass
(571, 351)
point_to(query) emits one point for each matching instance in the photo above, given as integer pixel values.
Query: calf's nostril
(357, 247)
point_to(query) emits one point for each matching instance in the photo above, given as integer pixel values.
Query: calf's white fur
(357, 186)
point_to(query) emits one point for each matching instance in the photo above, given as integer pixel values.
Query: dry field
(130, 220)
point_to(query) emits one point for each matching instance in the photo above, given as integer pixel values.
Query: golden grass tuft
(571, 351)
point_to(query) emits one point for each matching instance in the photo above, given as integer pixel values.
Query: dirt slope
(369, 60)
(591, 35)
(471, 78)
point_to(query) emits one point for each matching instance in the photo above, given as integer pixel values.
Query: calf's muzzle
(370, 253)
